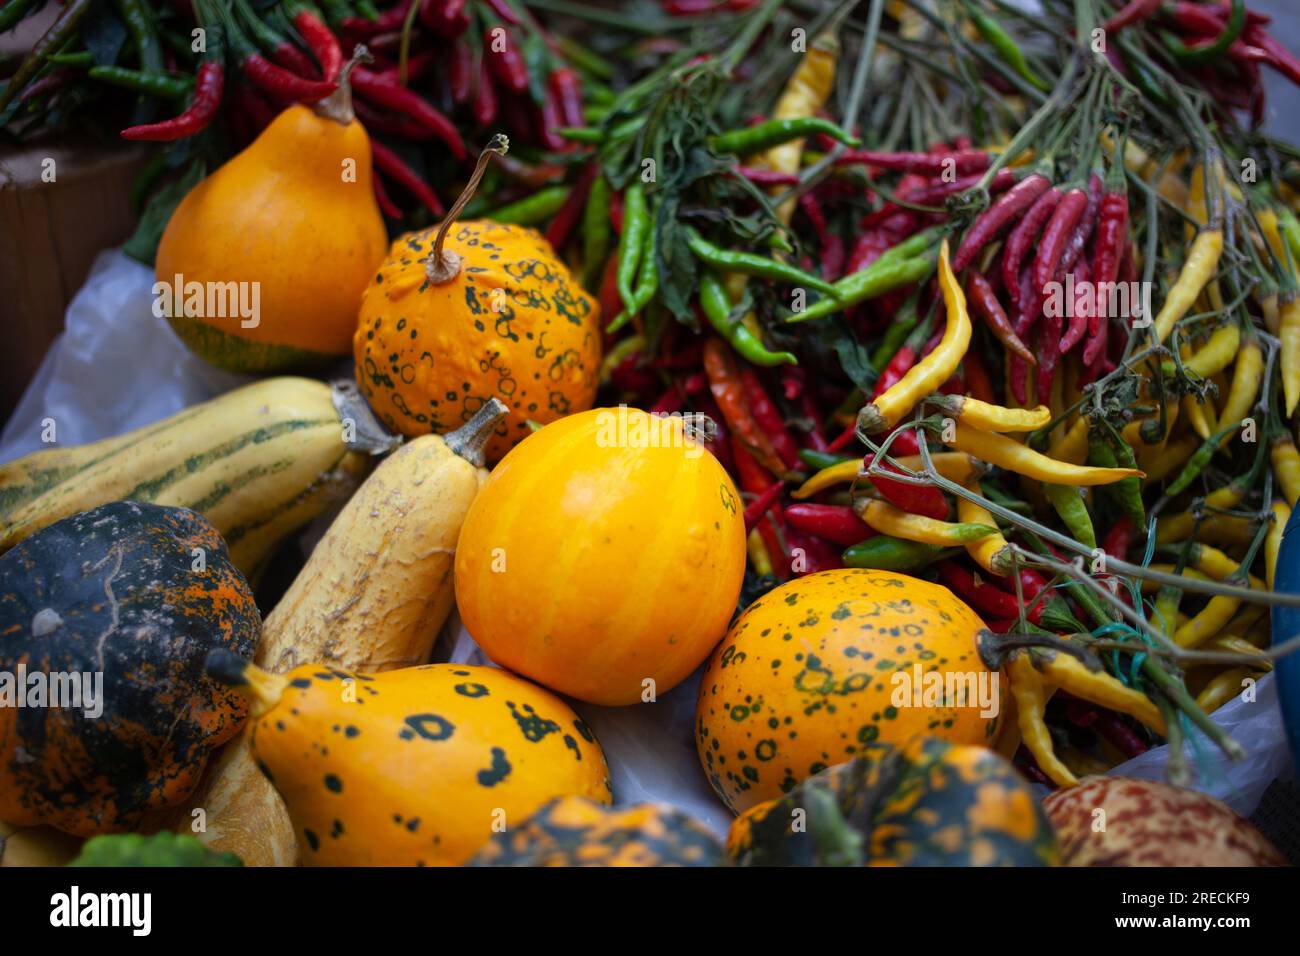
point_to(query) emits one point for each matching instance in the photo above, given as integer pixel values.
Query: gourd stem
(338, 105)
(469, 440)
(443, 266)
(261, 688)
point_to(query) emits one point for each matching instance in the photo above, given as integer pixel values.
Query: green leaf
(143, 244)
(678, 270)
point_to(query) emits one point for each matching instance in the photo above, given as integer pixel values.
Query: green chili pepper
(1146, 83)
(1289, 226)
(1127, 492)
(587, 135)
(144, 181)
(818, 460)
(875, 280)
(754, 265)
(15, 11)
(595, 231)
(753, 139)
(1007, 48)
(1211, 52)
(80, 59)
(646, 287)
(899, 329)
(631, 242)
(367, 9)
(1070, 506)
(149, 54)
(165, 85)
(1199, 460)
(531, 210)
(884, 553)
(584, 57)
(717, 309)
(59, 33)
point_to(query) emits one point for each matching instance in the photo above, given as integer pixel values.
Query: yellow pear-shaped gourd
(262, 265)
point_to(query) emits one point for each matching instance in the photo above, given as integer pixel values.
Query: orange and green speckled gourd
(805, 679)
(294, 213)
(411, 767)
(470, 311)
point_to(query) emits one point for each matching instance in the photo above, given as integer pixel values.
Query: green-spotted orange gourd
(411, 767)
(575, 831)
(110, 614)
(925, 803)
(262, 265)
(603, 557)
(474, 310)
(830, 665)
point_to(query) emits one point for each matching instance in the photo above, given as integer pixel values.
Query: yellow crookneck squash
(412, 767)
(291, 227)
(372, 597)
(474, 310)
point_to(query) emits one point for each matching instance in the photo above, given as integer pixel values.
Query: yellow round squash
(411, 767)
(806, 679)
(603, 557)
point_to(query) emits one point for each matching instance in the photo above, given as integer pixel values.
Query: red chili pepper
(843, 440)
(566, 86)
(447, 18)
(392, 165)
(934, 193)
(1017, 245)
(557, 233)
(251, 104)
(387, 21)
(983, 597)
(1117, 540)
(814, 553)
(1132, 12)
(321, 41)
(720, 445)
(1119, 734)
(925, 500)
(999, 216)
(766, 177)
(793, 381)
(401, 100)
(460, 71)
(960, 162)
(386, 204)
(729, 391)
(486, 102)
(979, 384)
(1076, 294)
(836, 523)
(755, 481)
(769, 418)
(830, 245)
(550, 119)
(756, 509)
(203, 107)
(1051, 245)
(985, 303)
(1112, 233)
(377, 121)
(507, 63)
(417, 66)
(1074, 246)
(898, 366)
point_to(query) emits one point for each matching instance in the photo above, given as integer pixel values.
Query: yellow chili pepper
(1211, 620)
(1073, 676)
(1202, 261)
(1200, 415)
(953, 465)
(884, 518)
(1167, 616)
(933, 370)
(1231, 530)
(1247, 376)
(1192, 573)
(993, 418)
(805, 94)
(1272, 315)
(1031, 693)
(1272, 234)
(1072, 447)
(1236, 644)
(1179, 526)
(1281, 515)
(1289, 335)
(1286, 467)
(1222, 689)
(1217, 353)
(992, 553)
(1172, 458)
(760, 561)
(1210, 560)
(1013, 456)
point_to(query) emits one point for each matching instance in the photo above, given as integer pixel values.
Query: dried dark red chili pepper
(1080, 316)
(562, 225)
(1000, 216)
(769, 418)
(378, 121)
(1083, 229)
(566, 86)
(1017, 245)
(754, 480)
(809, 553)
(486, 103)
(392, 165)
(979, 384)
(959, 162)
(1112, 233)
(382, 92)
(507, 63)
